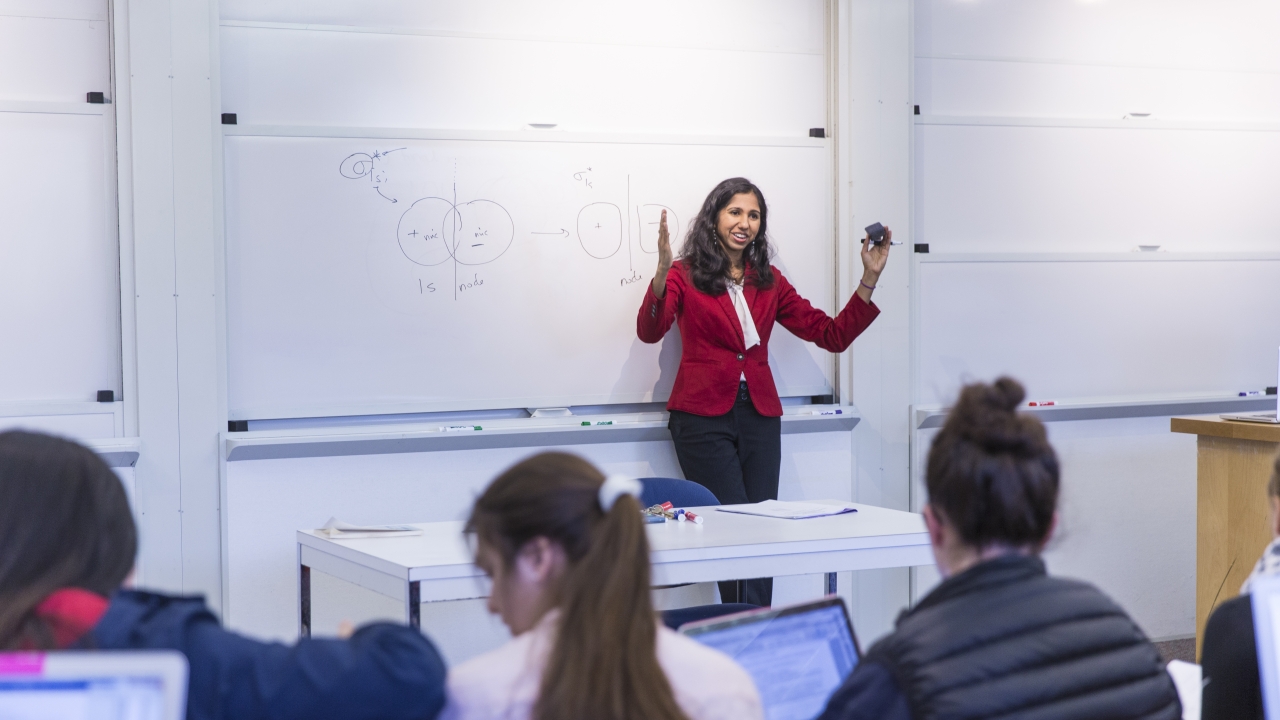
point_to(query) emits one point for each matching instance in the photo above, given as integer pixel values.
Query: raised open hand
(665, 258)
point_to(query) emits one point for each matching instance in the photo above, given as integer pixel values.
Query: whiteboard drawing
(647, 218)
(434, 230)
(600, 229)
(364, 165)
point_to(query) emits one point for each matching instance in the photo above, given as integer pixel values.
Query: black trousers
(737, 457)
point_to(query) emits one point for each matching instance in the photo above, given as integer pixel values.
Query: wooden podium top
(1217, 427)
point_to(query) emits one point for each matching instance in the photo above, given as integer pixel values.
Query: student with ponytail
(567, 553)
(999, 637)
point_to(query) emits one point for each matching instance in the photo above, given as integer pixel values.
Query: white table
(437, 565)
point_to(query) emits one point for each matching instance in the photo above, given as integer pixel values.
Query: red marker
(1041, 403)
(691, 517)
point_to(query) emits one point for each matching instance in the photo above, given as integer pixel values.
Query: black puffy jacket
(1004, 640)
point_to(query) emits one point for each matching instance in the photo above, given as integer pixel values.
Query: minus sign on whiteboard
(477, 245)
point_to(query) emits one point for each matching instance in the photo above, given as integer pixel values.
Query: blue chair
(681, 493)
(685, 493)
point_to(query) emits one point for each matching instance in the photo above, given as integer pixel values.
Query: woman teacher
(726, 296)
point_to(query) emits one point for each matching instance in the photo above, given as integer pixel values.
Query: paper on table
(335, 529)
(1188, 679)
(787, 510)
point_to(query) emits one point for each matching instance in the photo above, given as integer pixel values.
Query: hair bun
(989, 418)
(1006, 394)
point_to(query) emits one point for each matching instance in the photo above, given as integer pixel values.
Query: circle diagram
(600, 229)
(649, 217)
(422, 231)
(481, 231)
(434, 230)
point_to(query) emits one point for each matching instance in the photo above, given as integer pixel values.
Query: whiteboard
(1097, 325)
(1036, 189)
(386, 275)
(59, 265)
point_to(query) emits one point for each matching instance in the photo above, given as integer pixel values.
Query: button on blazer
(715, 356)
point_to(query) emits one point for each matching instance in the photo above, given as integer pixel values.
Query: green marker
(587, 423)
(461, 428)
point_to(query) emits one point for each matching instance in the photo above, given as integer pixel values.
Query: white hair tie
(614, 487)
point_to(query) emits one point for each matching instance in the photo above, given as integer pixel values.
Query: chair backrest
(681, 493)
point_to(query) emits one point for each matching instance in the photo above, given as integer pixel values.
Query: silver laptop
(1262, 417)
(798, 655)
(94, 685)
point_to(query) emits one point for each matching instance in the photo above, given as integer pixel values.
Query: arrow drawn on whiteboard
(563, 233)
(384, 197)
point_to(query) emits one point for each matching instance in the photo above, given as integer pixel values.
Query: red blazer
(715, 355)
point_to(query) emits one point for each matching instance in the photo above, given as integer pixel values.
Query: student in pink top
(567, 553)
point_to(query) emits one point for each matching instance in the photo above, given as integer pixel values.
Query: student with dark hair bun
(67, 545)
(569, 559)
(999, 637)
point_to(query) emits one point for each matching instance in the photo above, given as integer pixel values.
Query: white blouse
(503, 684)
(749, 334)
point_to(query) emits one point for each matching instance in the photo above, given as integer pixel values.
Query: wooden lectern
(1233, 517)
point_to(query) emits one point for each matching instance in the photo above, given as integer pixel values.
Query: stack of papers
(787, 510)
(335, 529)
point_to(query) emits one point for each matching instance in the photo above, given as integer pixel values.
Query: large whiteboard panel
(757, 25)
(1003, 88)
(52, 59)
(59, 268)
(1098, 326)
(1002, 188)
(370, 276)
(1225, 34)
(363, 79)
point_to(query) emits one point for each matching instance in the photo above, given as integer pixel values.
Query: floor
(1184, 649)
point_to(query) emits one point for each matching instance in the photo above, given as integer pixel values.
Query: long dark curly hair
(707, 264)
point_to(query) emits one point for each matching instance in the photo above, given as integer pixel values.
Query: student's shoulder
(697, 671)
(136, 618)
(488, 685)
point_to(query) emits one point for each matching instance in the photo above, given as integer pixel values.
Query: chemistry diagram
(469, 232)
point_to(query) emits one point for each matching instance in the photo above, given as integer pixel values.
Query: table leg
(831, 583)
(304, 601)
(413, 613)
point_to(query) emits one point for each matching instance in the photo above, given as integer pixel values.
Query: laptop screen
(98, 699)
(93, 685)
(797, 655)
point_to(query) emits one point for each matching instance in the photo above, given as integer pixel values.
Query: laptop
(798, 655)
(94, 685)
(1263, 417)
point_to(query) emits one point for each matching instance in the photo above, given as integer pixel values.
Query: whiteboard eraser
(543, 126)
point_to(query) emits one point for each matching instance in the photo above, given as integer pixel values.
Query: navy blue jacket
(383, 671)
